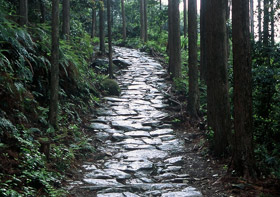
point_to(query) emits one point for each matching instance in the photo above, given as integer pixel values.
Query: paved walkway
(142, 156)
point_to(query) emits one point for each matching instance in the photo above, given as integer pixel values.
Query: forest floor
(143, 150)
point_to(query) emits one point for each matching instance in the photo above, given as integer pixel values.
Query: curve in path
(142, 155)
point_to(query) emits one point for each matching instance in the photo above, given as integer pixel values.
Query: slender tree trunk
(185, 19)
(43, 12)
(202, 41)
(265, 23)
(170, 32)
(53, 110)
(160, 5)
(243, 158)
(123, 20)
(252, 19)
(193, 99)
(101, 30)
(93, 23)
(145, 22)
(66, 18)
(109, 38)
(23, 12)
(174, 40)
(218, 110)
(272, 12)
(142, 24)
(260, 20)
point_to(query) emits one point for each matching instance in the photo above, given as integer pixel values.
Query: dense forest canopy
(223, 58)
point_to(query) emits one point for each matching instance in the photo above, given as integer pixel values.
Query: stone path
(142, 156)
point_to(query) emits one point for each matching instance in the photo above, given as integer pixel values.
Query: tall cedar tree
(272, 13)
(66, 18)
(101, 28)
(109, 38)
(123, 21)
(218, 109)
(53, 110)
(193, 99)
(265, 22)
(142, 23)
(145, 22)
(43, 11)
(252, 26)
(202, 41)
(185, 19)
(93, 22)
(243, 158)
(259, 20)
(23, 12)
(174, 39)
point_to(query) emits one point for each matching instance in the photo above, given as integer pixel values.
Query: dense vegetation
(34, 156)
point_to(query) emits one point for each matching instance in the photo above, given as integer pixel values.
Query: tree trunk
(145, 22)
(43, 12)
(66, 19)
(123, 20)
(23, 12)
(243, 158)
(160, 5)
(202, 41)
(109, 38)
(252, 19)
(142, 24)
(272, 23)
(101, 30)
(174, 40)
(260, 20)
(93, 23)
(265, 23)
(193, 99)
(218, 109)
(53, 110)
(170, 32)
(185, 19)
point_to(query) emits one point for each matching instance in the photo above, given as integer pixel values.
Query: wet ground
(139, 153)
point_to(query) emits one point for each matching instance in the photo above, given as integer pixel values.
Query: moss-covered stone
(111, 87)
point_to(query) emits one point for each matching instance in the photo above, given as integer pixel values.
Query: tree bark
(23, 12)
(43, 12)
(218, 110)
(66, 19)
(193, 99)
(243, 157)
(145, 22)
(259, 20)
(101, 30)
(252, 26)
(53, 110)
(93, 23)
(185, 19)
(142, 23)
(109, 38)
(272, 13)
(174, 40)
(202, 41)
(123, 20)
(265, 23)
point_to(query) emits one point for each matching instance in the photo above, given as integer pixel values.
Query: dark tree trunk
(193, 99)
(243, 158)
(123, 20)
(272, 12)
(259, 20)
(174, 40)
(93, 23)
(145, 22)
(23, 12)
(252, 26)
(265, 22)
(66, 18)
(43, 12)
(160, 5)
(185, 19)
(101, 30)
(202, 41)
(169, 33)
(109, 38)
(218, 110)
(53, 110)
(142, 23)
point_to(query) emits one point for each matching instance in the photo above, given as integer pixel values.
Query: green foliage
(111, 87)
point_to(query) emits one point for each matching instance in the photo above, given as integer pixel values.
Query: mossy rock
(111, 87)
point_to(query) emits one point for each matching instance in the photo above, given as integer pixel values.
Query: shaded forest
(57, 65)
